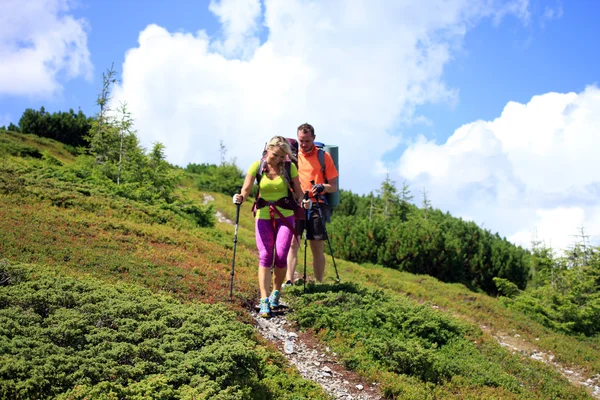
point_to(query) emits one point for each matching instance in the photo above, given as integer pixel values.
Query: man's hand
(307, 204)
(318, 189)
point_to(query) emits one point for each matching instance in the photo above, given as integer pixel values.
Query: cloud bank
(353, 69)
(532, 170)
(40, 46)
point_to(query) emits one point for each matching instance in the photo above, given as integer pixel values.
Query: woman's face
(276, 155)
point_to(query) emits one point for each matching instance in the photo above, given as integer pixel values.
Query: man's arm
(331, 186)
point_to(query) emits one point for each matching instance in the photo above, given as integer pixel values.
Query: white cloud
(39, 43)
(240, 24)
(552, 13)
(353, 69)
(533, 168)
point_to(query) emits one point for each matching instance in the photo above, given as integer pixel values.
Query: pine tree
(425, 203)
(125, 131)
(389, 196)
(223, 151)
(405, 198)
(100, 137)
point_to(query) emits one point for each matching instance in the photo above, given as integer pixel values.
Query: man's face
(305, 140)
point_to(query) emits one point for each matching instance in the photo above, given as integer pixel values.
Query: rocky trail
(313, 360)
(516, 344)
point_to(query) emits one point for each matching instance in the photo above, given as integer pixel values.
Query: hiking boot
(274, 299)
(288, 283)
(265, 310)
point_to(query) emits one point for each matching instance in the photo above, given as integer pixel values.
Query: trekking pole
(326, 234)
(305, 239)
(237, 220)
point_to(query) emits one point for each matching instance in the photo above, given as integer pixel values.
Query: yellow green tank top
(272, 190)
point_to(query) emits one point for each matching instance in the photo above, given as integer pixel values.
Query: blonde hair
(283, 144)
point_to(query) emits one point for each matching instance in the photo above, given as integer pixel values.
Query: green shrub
(396, 334)
(67, 338)
(9, 147)
(506, 287)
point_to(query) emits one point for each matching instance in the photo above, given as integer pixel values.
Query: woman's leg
(283, 241)
(265, 241)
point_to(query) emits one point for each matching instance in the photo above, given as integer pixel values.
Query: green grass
(25, 145)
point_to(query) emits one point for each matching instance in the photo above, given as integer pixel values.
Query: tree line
(388, 229)
(67, 127)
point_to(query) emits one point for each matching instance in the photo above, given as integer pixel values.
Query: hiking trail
(313, 360)
(515, 344)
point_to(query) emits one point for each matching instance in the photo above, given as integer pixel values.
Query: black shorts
(316, 229)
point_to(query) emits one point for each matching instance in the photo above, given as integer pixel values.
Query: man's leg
(317, 248)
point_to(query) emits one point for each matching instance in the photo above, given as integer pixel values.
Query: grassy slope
(478, 309)
(111, 240)
(486, 316)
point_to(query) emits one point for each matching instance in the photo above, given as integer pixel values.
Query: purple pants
(278, 241)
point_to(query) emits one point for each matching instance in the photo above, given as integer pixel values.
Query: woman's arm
(297, 189)
(248, 183)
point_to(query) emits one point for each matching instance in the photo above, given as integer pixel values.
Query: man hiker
(325, 181)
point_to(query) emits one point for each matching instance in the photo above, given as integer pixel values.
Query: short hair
(307, 128)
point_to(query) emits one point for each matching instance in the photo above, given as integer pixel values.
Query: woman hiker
(278, 196)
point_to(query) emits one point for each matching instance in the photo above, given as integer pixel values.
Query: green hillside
(122, 291)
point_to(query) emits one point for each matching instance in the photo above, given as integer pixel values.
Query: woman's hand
(237, 199)
(306, 204)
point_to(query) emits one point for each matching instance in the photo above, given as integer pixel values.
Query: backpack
(288, 165)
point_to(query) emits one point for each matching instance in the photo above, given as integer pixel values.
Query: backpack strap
(321, 157)
(262, 167)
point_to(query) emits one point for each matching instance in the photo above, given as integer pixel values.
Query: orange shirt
(309, 168)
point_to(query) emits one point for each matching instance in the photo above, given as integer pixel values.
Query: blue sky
(514, 62)
(478, 102)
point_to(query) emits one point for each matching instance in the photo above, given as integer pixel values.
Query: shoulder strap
(321, 157)
(261, 169)
(288, 177)
(259, 173)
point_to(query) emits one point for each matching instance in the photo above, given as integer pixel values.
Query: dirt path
(515, 343)
(220, 217)
(313, 360)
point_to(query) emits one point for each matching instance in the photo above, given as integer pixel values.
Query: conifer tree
(425, 203)
(389, 196)
(100, 137)
(125, 131)
(405, 198)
